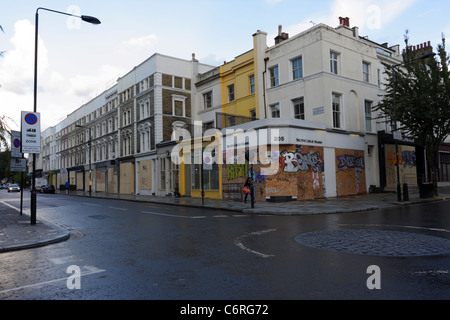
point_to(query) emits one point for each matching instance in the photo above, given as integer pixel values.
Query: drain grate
(376, 242)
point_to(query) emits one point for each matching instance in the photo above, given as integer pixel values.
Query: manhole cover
(376, 242)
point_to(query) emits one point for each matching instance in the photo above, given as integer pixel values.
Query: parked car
(48, 188)
(3, 186)
(13, 187)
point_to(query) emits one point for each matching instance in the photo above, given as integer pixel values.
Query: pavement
(16, 231)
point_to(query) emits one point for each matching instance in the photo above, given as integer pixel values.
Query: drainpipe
(264, 86)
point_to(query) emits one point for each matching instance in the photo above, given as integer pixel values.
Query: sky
(77, 61)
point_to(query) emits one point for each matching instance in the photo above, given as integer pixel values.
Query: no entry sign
(31, 132)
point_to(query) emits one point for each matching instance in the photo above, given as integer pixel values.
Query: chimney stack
(281, 35)
(344, 21)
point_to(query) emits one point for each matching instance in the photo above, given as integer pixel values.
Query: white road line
(91, 270)
(174, 215)
(11, 206)
(396, 226)
(92, 204)
(116, 208)
(62, 260)
(238, 242)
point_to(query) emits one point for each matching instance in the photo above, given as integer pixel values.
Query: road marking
(116, 208)
(432, 272)
(91, 270)
(92, 204)
(238, 242)
(62, 260)
(174, 215)
(11, 206)
(396, 226)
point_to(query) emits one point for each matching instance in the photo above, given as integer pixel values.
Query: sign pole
(31, 144)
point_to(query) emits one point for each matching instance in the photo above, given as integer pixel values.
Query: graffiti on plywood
(295, 161)
(405, 158)
(350, 161)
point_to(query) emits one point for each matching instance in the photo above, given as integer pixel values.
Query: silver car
(13, 187)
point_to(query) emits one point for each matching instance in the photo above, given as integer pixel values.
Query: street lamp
(424, 56)
(88, 19)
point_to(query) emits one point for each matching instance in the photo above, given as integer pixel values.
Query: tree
(5, 132)
(4, 128)
(422, 100)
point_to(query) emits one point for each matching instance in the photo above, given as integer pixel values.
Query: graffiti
(409, 158)
(296, 161)
(350, 161)
(405, 158)
(237, 171)
(258, 177)
(316, 183)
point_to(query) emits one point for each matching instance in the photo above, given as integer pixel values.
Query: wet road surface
(129, 250)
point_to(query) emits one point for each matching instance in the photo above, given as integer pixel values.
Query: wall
(127, 178)
(145, 176)
(350, 172)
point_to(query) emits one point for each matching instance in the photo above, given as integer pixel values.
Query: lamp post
(424, 56)
(88, 19)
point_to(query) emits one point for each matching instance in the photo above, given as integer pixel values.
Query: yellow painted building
(239, 101)
(239, 87)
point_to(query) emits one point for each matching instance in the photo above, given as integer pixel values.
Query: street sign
(207, 161)
(15, 144)
(18, 165)
(31, 132)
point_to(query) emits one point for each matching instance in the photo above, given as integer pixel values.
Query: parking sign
(16, 144)
(31, 132)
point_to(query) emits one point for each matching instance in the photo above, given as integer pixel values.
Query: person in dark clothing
(248, 183)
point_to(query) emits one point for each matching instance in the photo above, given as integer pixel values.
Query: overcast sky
(78, 60)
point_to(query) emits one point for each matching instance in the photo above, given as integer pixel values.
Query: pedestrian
(247, 189)
(67, 187)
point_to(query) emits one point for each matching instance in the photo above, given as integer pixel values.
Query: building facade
(312, 93)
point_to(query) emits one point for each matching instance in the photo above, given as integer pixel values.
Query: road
(131, 250)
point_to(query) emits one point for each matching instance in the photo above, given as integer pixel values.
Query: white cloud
(369, 14)
(17, 65)
(145, 42)
(58, 93)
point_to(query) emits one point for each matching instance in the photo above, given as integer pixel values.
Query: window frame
(336, 112)
(301, 112)
(230, 91)
(275, 108)
(298, 69)
(251, 80)
(334, 63)
(368, 115)
(366, 75)
(274, 77)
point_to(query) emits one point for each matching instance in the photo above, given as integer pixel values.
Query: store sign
(31, 132)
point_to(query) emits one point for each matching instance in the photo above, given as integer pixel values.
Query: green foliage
(422, 99)
(5, 132)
